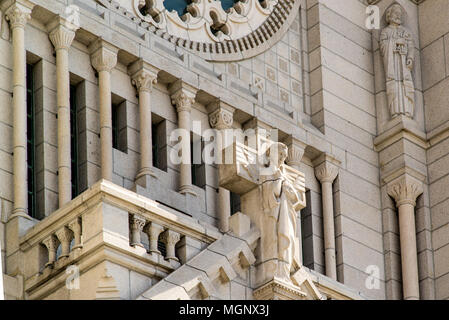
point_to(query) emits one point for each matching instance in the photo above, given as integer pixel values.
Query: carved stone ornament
(247, 29)
(397, 49)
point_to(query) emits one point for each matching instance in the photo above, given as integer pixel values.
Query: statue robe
(279, 198)
(399, 81)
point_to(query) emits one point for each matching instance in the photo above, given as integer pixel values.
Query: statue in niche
(397, 50)
(280, 203)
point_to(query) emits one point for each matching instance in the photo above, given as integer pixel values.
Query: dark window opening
(159, 143)
(119, 125)
(179, 6)
(197, 164)
(235, 203)
(74, 132)
(31, 145)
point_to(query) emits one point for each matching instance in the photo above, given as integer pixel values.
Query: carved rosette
(144, 81)
(221, 119)
(405, 190)
(326, 172)
(18, 15)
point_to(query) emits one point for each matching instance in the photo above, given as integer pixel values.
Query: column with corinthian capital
(326, 172)
(183, 97)
(18, 14)
(143, 76)
(405, 190)
(104, 58)
(62, 33)
(221, 119)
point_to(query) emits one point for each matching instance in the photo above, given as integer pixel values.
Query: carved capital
(326, 172)
(51, 243)
(61, 33)
(405, 190)
(103, 56)
(18, 15)
(221, 119)
(183, 101)
(171, 237)
(295, 151)
(144, 81)
(137, 222)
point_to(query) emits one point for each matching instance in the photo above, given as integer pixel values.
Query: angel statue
(280, 203)
(397, 50)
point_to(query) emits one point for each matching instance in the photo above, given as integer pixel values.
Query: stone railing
(109, 223)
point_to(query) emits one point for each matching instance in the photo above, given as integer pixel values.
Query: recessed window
(159, 143)
(31, 141)
(235, 203)
(74, 132)
(119, 125)
(197, 165)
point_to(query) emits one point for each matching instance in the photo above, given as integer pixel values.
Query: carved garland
(247, 29)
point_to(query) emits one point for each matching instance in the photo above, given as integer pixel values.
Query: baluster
(65, 237)
(136, 225)
(170, 238)
(153, 230)
(75, 226)
(51, 245)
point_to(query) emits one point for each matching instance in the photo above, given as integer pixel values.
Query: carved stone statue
(397, 49)
(280, 202)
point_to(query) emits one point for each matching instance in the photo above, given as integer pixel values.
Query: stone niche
(257, 176)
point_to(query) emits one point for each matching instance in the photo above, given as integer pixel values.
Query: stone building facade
(93, 94)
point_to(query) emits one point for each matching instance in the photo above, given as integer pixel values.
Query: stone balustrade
(108, 223)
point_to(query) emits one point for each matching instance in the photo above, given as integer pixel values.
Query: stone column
(103, 59)
(183, 97)
(326, 172)
(143, 76)
(221, 119)
(405, 190)
(18, 14)
(62, 33)
(295, 153)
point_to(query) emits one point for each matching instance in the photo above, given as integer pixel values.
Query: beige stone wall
(434, 34)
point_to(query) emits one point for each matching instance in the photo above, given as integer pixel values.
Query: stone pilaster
(183, 97)
(62, 33)
(103, 59)
(326, 171)
(221, 119)
(405, 190)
